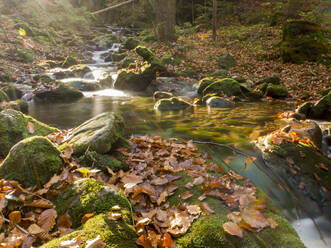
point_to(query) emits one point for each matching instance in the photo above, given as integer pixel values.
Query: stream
(238, 125)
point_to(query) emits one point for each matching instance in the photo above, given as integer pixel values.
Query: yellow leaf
(22, 32)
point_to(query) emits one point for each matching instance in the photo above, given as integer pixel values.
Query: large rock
(218, 102)
(303, 41)
(91, 196)
(57, 93)
(319, 110)
(226, 86)
(204, 83)
(19, 105)
(227, 61)
(173, 103)
(14, 126)
(98, 134)
(32, 161)
(88, 196)
(131, 43)
(145, 53)
(291, 153)
(80, 70)
(128, 80)
(276, 91)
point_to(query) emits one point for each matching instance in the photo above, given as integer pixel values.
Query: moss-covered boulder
(102, 162)
(32, 161)
(116, 57)
(276, 91)
(116, 234)
(12, 92)
(162, 95)
(130, 43)
(88, 196)
(319, 110)
(84, 85)
(125, 63)
(303, 41)
(19, 105)
(145, 53)
(173, 103)
(207, 231)
(3, 96)
(107, 82)
(14, 127)
(226, 86)
(98, 134)
(273, 79)
(80, 70)
(57, 93)
(218, 102)
(300, 161)
(128, 80)
(204, 83)
(69, 61)
(227, 61)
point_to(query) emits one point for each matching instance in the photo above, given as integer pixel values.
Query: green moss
(3, 96)
(276, 91)
(89, 196)
(12, 92)
(19, 105)
(208, 232)
(145, 53)
(227, 86)
(14, 127)
(170, 60)
(322, 109)
(32, 161)
(116, 234)
(69, 61)
(204, 83)
(116, 57)
(131, 43)
(102, 162)
(303, 41)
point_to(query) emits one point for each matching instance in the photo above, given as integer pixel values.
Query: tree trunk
(165, 12)
(214, 19)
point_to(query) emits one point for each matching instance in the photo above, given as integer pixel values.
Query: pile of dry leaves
(28, 217)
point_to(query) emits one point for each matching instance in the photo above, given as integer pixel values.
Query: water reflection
(239, 125)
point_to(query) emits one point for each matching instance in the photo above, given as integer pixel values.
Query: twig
(16, 225)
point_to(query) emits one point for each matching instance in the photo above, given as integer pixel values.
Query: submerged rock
(319, 110)
(57, 93)
(14, 126)
(162, 95)
(98, 134)
(218, 102)
(227, 61)
(303, 41)
(32, 161)
(173, 103)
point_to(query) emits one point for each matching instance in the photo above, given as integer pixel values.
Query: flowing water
(238, 125)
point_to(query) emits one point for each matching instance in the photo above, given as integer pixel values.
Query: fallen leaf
(86, 217)
(41, 203)
(98, 242)
(15, 217)
(46, 220)
(115, 216)
(65, 221)
(72, 243)
(186, 195)
(30, 127)
(233, 229)
(167, 241)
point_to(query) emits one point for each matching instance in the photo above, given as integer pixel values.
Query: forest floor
(255, 49)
